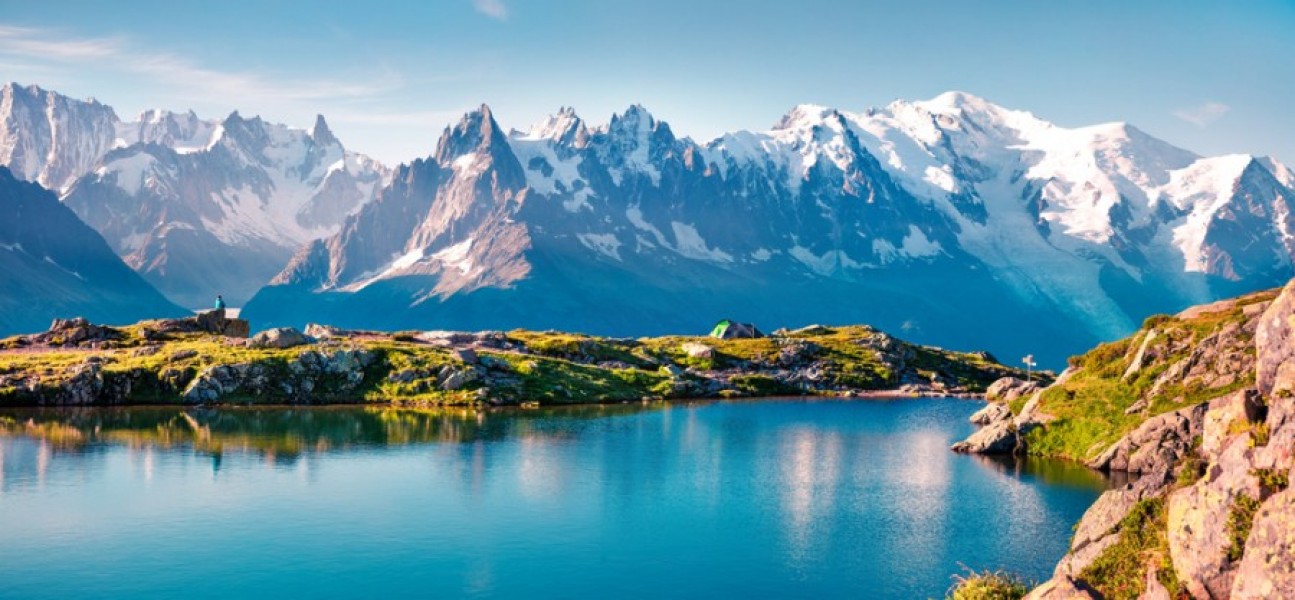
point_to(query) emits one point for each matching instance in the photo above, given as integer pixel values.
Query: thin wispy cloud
(184, 78)
(26, 41)
(1203, 115)
(495, 9)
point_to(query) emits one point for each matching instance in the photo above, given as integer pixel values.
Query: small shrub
(1272, 480)
(1239, 521)
(1259, 435)
(1190, 470)
(1155, 321)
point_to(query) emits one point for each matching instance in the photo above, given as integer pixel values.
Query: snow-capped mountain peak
(193, 204)
(1067, 224)
(564, 128)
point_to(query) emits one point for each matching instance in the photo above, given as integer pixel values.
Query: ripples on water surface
(779, 498)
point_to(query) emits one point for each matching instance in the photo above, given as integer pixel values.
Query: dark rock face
(53, 265)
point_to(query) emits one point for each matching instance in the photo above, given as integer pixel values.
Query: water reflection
(1051, 472)
(283, 434)
(785, 498)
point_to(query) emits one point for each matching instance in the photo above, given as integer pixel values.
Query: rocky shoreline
(209, 359)
(1199, 409)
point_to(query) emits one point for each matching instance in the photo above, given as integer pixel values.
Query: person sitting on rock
(220, 302)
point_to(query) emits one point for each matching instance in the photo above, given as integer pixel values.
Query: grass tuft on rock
(1119, 572)
(988, 585)
(1240, 520)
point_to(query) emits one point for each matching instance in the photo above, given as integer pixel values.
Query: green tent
(729, 329)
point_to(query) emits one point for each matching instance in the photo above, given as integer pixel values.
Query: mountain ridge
(199, 207)
(1072, 224)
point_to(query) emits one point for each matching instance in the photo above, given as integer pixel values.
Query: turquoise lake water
(786, 498)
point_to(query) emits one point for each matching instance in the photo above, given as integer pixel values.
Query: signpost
(1029, 366)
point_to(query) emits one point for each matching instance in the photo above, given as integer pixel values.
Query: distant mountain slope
(54, 266)
(198, 207)
(953, 220)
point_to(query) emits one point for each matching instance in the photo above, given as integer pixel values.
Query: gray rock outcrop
(280, 337)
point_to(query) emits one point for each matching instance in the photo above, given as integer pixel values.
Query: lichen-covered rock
(1198, 516)
(991, 413)
(1238, 408)
(1267, 569)
(1156, 444)
(1275, 344)
(280, 337)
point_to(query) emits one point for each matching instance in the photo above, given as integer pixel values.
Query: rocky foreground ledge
(1199, 408)
(209, 360)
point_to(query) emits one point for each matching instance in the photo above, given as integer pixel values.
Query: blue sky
(1214, 77)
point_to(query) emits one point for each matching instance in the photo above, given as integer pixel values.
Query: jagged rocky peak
(322, 135)
(476, 132)
(183, 131)
(635, 118)
(50, 138)
(250, 133)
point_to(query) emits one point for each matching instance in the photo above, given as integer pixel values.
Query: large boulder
(280, 337)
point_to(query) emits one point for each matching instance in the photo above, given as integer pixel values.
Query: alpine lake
(776, 498)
